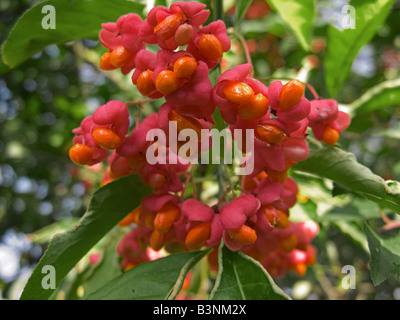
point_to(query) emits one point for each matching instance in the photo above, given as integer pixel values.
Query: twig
(220, 177)
(202, 179)
(138, 103)
(244, 45)
(389, 224)
(326, 285)
(314, 93)
(222, 197)
(314, 141)
(194, 189)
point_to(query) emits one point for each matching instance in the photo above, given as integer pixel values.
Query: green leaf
(240, 277)
(271, 24)
(343, 45)
(109, 205)
(74, 20)
(357, 210)
(108, 267)
(353, 231)
(240, 11)
(299, 15)
(342, 167)
(159, 279)
(45, 234)
(384, 95)
(385, 256)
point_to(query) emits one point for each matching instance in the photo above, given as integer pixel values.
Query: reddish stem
(245, 48)
(222, 197)
(188, 177)
(314, 93)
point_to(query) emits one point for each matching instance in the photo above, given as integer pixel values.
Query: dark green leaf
(108, 206)
(385, 256)
(240, 11)
(74, 20)
(343, 45)
(3, 67)
(160, 279)
(299, 15)
(339, 190)
(240, 277)
(342, 167)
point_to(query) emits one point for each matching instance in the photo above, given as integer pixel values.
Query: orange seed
(198, 235)
(238, 92)
(167, 82)
(145, 84)
(210, 47)
(167, 27)
(257, 107)
(105, 62)
(185, 66)
(330, 136)
(244, 235)
(106, 138)
(121, 56)
(164, 219)
(291, 94)
(80, 154)
(269, 133)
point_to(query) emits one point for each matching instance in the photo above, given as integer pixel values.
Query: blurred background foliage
(43, 99)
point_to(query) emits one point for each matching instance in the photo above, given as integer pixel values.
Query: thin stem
(244, 191)
(138, 103)
(218, 14)
(220, 177)
(314, 141)
(309, 86)
(202, 179)
(186, 183)
(389, 224)
(326, 284)
(231, 187)
(244, 45)
(314, 93)
(138, 117)
(257, 182)
(222, 197)
(241, 188)
(385, 218)
(194, 189)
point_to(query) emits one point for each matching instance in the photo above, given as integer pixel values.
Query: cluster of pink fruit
(256, 219)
